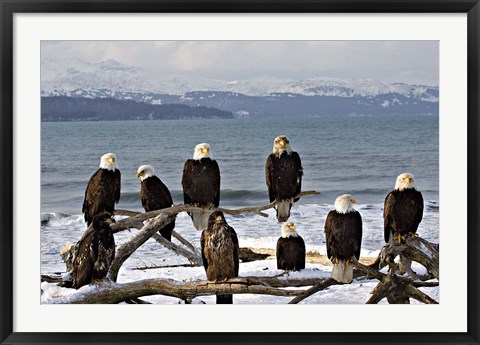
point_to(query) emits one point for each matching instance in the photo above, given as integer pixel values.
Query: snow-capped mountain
(260, 96)
(64, 77)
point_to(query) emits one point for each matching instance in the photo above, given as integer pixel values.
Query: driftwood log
(107, 292)
(393, 286)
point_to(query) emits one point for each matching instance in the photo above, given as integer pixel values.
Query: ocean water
(359, 155)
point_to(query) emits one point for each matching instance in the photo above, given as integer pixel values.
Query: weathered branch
(399, 290)
(368, 271)
(192, 257)
(183, 241)
(124, 251)
(314, 289)
(419, 295)
(109, 292)
(415, 249)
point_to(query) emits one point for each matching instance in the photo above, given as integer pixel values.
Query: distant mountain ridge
(63, 108)
(261, 96)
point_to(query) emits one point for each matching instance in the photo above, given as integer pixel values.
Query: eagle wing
(186, 181)
(84, 261)
(216, 183)
(280, 252)
(103, 247)
(234, 237)
(154, 194)
(92, 196)
(329, 234)
(117, 184)
(302, 250)
(202, 247)
(418, 205)
(357, 229)
(102, 193)
(299, 173)
(269, 169)
(387, 216)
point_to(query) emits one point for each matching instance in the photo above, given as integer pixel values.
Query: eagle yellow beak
(407, 179)
(110, 160)
(282, 143)
(205, 151)
(218, 219)
(292, 227)
(354, 201)
(139, 174)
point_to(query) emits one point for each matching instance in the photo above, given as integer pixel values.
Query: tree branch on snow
(399, 290)
(127, 248)
(194, 258)
(324, 284)
(108, 292)
(183, 241)
(415, 249)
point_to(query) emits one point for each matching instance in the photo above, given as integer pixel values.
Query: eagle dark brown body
(101, 194)
(219, 245)
(201, 187)
(155, 195)
(94, 252)
(343, 234)
(290, 253)
(402, 213)
(284, 181)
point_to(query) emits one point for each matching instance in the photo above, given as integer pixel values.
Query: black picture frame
(10, 7)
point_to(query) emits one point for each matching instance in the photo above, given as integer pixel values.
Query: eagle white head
(281, 144)
(145, 171)
(109, 161)
(405, 181)
(289, 229)
(201, 151)
(344, 203)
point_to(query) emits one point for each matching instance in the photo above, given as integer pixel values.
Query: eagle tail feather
(200, 219)
(342, 272)
(283, 210)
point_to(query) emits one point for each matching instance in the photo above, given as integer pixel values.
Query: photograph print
(240, 172)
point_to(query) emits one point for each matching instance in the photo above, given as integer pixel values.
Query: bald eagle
(219, 245)
(290, 249)
(94, 252)
(103, 189)
(155, 195)
(284, 172)
(343, 232)
(201, 184)
(403, 209)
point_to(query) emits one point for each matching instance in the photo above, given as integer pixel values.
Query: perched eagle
(403, 209)
(290, 249)
(155, 195)
(201, 184)
(103, 189)
(283, 171)
(94, 252)
(219, 244)
(343, 232)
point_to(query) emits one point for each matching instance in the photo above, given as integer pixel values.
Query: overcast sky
(415, 62)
